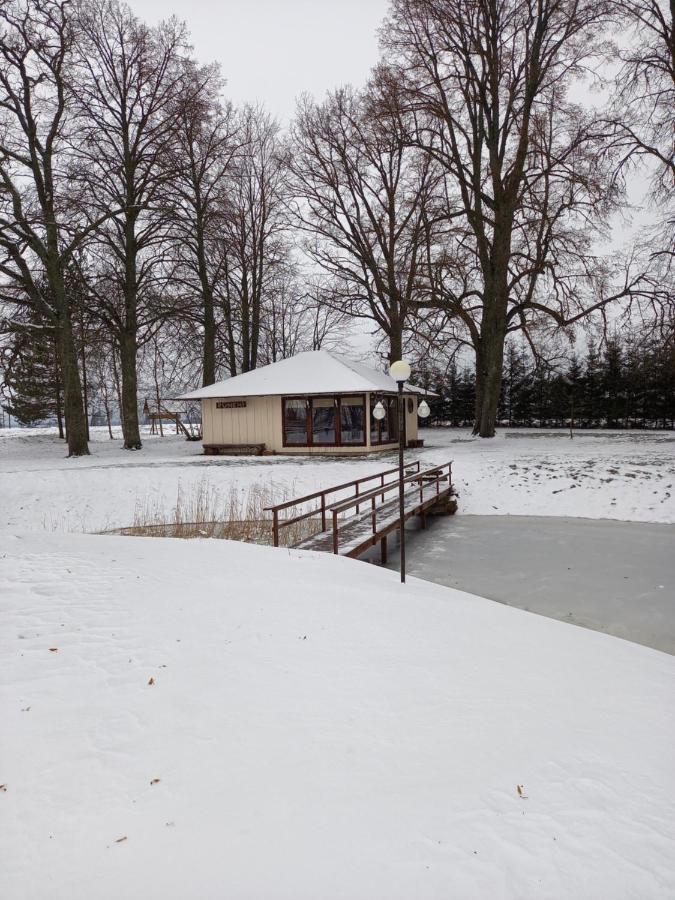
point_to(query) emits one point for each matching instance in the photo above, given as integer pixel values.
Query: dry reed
(201, 511)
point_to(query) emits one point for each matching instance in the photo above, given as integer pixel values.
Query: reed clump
(202, 511)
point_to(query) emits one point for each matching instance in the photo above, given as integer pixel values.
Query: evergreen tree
(590, 402)
(32, 376)
(613, 385)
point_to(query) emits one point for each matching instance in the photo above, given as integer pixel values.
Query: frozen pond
(617, 577)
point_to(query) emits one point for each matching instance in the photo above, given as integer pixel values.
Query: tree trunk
(209, 360)
(73, 410)
(57, 389)
(478, 402)
(85, 391)
(209, 349)
(129, 410)
(116, 378)
(395, 344)
(108, 413)
(489, 363)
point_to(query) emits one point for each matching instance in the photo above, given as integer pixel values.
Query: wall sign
(230, 404)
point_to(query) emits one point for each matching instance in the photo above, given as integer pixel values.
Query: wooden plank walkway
(350, 526)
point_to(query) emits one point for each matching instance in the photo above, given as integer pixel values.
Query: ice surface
(617, 577)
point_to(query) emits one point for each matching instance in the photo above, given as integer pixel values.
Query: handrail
(344, 505)
(338, 487)
(435, 474)
(322, 509)
(359, 498)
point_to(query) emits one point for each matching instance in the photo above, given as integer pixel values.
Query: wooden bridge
(352, 517)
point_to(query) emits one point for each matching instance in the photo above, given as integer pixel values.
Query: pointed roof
(313, 372)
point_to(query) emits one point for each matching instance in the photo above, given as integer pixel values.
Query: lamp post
(400, 372)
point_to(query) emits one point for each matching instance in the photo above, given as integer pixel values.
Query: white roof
(313, 372)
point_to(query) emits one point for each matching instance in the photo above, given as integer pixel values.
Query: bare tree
(488, 84)
(206, 144)
(643, 135)
(644, 102)
(39, 229)
(296, 319)
(255, 245)
(129, 77)
(363, 200)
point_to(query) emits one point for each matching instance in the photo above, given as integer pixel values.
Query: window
(378, 427)
(352, 420)
(392, 418)
(323, 420)
(384, 431)
(295, 421)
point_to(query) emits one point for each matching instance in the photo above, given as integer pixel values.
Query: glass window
(352, 420)
(392, 419)
(323, 420)
(380, 429)
(295, 422)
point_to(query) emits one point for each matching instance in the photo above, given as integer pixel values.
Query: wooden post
(275, 527)
(335, 532)
(401, 500)
(323, 512)
(383, 550)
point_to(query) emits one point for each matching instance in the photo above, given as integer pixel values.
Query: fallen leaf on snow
(152, 681)
(119, 840)
(53, 649)
(155, 781)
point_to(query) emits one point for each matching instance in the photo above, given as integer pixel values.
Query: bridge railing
(433, 476)
(325, 505)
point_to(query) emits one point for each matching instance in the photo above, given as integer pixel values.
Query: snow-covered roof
(313, 372)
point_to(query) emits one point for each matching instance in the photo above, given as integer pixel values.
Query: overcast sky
(271, 51)
(274, 50)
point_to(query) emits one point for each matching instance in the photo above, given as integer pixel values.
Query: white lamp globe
(423, 410)
(400, 370)
(378, 410)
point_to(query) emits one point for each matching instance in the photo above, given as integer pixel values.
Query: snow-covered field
(208, 719)
(614, 475)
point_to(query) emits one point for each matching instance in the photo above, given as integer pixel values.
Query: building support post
(401, 486)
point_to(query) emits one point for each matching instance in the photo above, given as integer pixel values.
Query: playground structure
(159, 414)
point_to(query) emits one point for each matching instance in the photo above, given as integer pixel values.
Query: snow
(314, 371)
(611, 475)
(339, 737)
(317, 729)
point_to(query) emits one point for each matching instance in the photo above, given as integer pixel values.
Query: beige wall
(260, 423)
(411, 420)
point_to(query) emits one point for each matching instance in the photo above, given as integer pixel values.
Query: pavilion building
(312, 403)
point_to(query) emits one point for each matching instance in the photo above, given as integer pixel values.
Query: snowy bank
(206, 719)
(600, 475)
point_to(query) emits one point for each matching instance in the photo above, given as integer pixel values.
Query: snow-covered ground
(205, 719)
(615, 475)
(209, 719)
